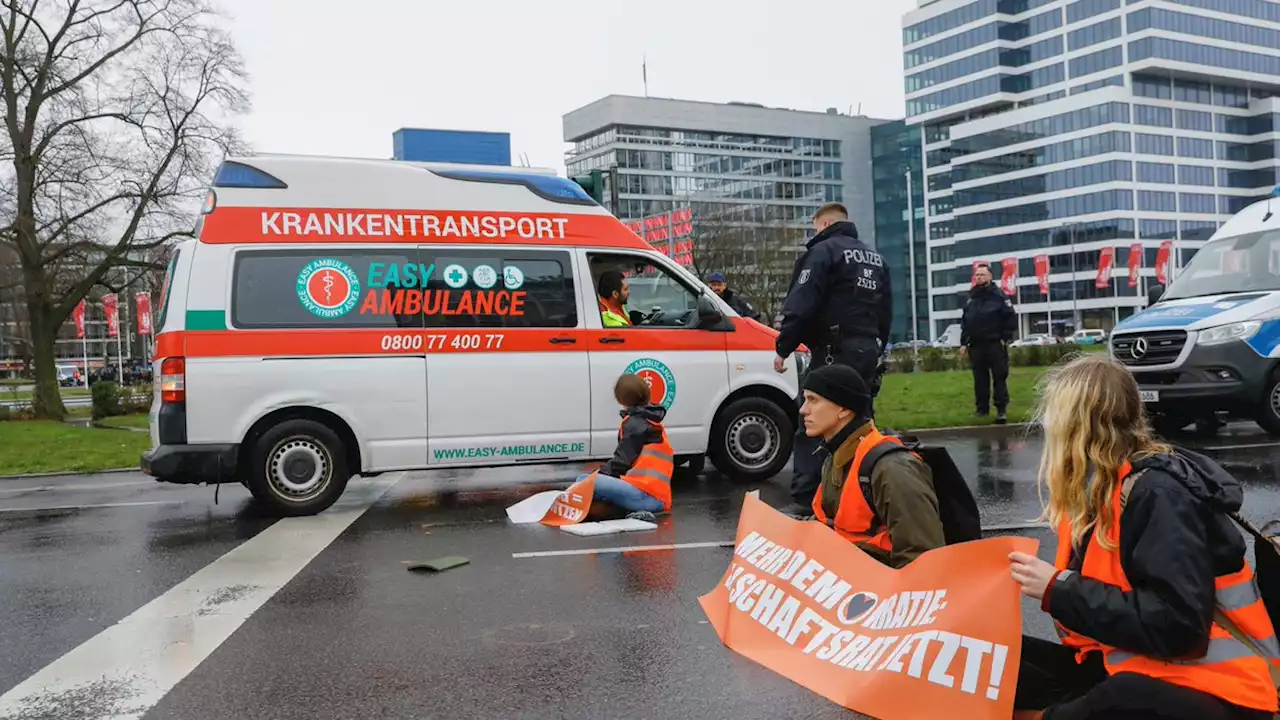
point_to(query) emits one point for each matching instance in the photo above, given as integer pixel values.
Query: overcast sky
(338, 78)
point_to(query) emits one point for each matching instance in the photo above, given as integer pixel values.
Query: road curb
(36, 476)
(971, 429)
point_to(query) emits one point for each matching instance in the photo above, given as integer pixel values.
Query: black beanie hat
(841, 385)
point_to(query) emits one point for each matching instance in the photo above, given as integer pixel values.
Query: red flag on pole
(1009, 276)
(1042, 273)
(1135, 263)
(112, 310)
(142, 301)
(78, 314)
(1106, 260)
(1162, 262)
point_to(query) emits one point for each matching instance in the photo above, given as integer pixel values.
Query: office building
(1081, 128)
(755, 168)
(452, 146)
(895, 152)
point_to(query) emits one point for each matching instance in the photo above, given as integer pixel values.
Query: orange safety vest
(854, 518)
(1229, 669)
(613, 316)
(652, 471)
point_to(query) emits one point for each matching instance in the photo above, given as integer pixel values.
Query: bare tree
(757, 257)
(114, 114)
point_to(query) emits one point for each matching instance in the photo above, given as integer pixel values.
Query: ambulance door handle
(563, 340)
(612, 340)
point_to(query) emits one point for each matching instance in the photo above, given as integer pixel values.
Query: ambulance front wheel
(297, 467)
(751, 439)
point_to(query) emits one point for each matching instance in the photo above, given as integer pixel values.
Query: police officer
(841, 307)
(988, 325)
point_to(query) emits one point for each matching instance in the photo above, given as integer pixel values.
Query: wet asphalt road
(351, 634)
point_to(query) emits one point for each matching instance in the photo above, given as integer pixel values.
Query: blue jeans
(623, 494)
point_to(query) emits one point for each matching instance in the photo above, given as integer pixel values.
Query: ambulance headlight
(803, 360)
(1227, 333)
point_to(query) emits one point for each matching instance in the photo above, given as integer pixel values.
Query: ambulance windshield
(1243, 263)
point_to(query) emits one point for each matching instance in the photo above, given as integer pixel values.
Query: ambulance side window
(325, 288)
(499, 288)
(660, 297)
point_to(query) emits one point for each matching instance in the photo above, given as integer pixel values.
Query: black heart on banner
(858, 605)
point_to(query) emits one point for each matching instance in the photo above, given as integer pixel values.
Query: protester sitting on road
(637, 479)
(901, 521)
(1146, 555)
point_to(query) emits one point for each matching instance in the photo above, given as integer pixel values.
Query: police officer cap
(840, 384)
(716, 277)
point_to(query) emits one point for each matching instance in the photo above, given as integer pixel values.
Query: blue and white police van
(1210, 342)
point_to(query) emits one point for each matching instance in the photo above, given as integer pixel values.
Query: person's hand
(964, 350)
(779, 364)
(1031, 573)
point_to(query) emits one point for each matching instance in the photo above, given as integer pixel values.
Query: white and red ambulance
(341, 317)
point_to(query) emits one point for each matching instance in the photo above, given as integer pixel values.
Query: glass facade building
(1063, 127)
(895, 152)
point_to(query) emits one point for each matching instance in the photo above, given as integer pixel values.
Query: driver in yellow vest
(613, 290)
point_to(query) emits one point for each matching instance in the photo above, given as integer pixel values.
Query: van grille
(1150, 348)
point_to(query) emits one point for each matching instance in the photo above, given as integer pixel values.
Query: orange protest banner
(940, 638)
(572, 505)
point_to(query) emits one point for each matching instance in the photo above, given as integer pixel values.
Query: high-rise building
(895, 153)
(755, 167)
(1080, 129)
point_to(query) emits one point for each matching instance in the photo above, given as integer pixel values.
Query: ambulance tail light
(173, 380)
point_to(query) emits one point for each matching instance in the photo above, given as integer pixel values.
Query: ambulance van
(342, 317)
(1209, 344)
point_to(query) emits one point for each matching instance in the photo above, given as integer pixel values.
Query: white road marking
(95, 486)
(1246, 446)
(719, 544)
(122, 672)
(631, 548)
(90, 507)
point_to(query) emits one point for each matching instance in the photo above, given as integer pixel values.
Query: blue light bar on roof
(1275, 192)
(239, 175)
(549, 187)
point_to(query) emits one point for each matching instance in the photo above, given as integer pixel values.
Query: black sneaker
(981, 413)
(1002, 417)
(797, 511)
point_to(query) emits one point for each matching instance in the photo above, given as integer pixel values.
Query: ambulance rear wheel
(297, 468)
(751, 440)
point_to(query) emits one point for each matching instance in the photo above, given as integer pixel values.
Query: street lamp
(911, 262)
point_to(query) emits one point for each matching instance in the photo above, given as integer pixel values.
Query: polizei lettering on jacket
(863, 257)
(367, 224)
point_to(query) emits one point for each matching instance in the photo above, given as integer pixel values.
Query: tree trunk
(46, 401)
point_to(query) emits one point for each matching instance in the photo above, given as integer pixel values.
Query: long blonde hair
(1093, 422)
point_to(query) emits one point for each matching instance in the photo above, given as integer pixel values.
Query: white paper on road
(123, 671)
(609, 527)
(532, 509)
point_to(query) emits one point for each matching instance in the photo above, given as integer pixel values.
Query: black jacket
(636, 433)
(1175, 538)
(740, 304)
(988, 316)
(837, 281)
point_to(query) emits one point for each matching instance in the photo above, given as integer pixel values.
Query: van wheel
(751, 440)
(298, 467)
(1269, 414)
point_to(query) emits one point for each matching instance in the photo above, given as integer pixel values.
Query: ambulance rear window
(166, 289)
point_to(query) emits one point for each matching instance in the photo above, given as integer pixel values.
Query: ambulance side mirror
(1154, 293)
(708, 313)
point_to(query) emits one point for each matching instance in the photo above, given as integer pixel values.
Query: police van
(1210, 342)
(341, 317)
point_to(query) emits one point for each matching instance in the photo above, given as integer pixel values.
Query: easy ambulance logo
(659, 378)
(328, 288)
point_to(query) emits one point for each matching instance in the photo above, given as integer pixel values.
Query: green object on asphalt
(440, 564)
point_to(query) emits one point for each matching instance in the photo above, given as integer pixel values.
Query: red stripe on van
(415, 341)
(319, 226)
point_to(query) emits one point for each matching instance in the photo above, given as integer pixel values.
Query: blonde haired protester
(1146, 554)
